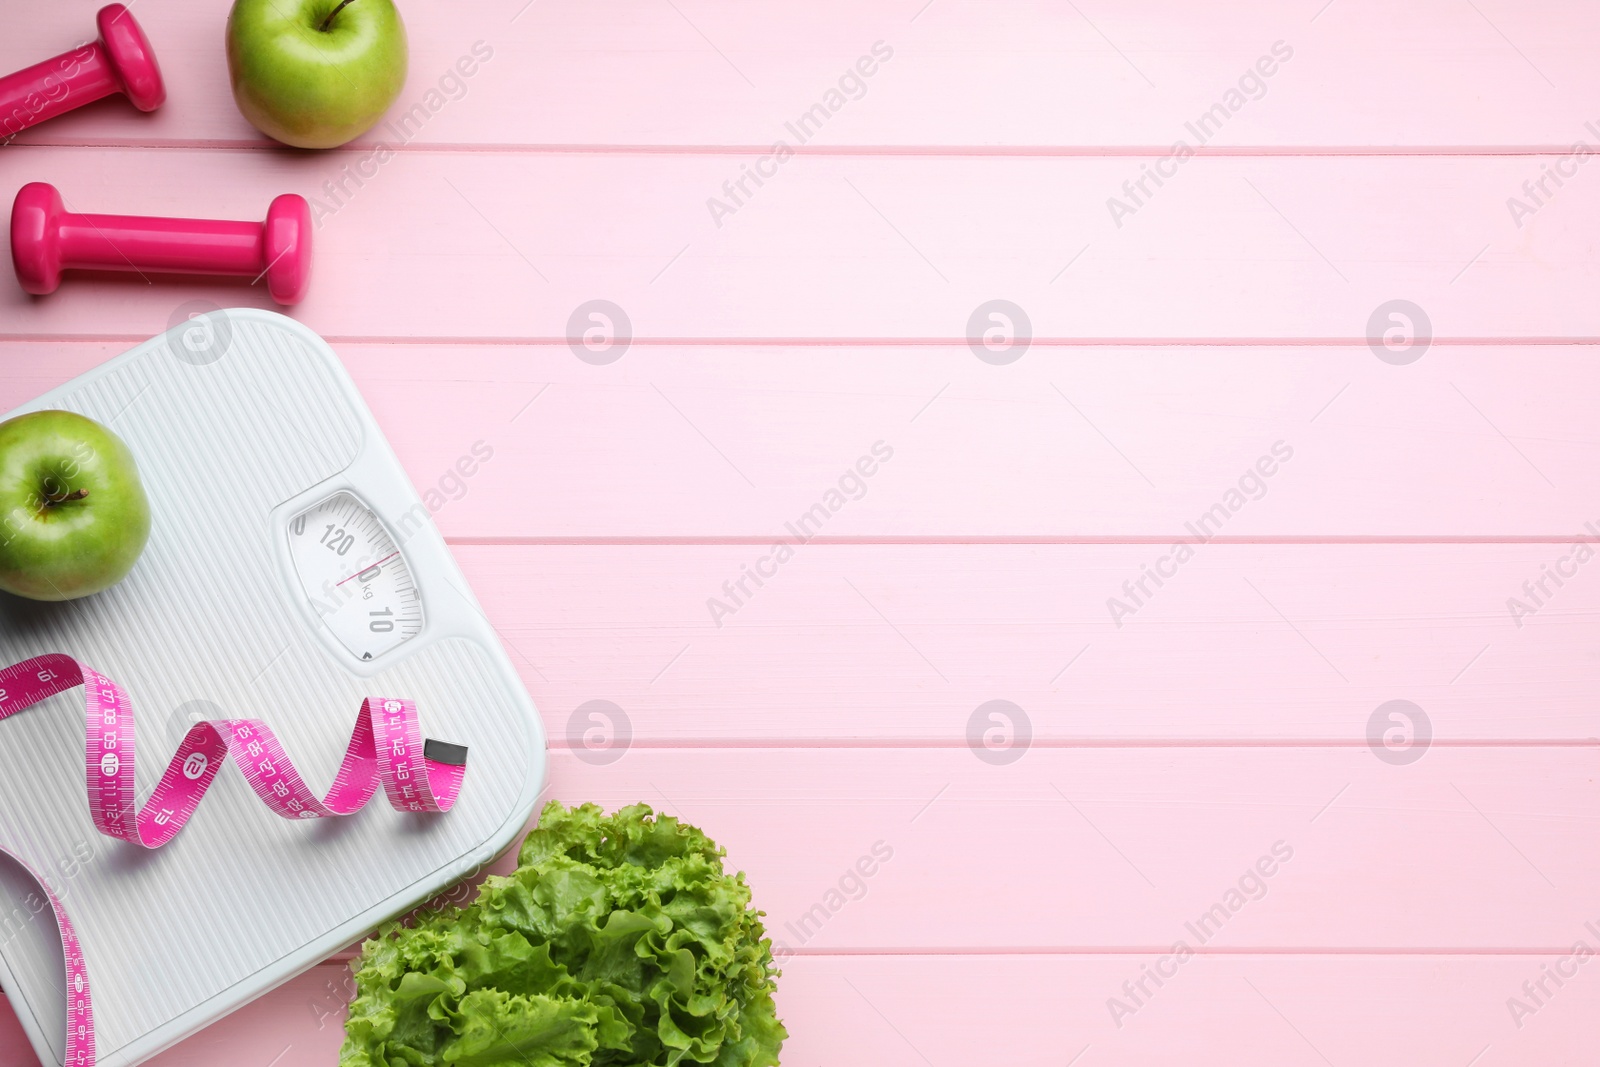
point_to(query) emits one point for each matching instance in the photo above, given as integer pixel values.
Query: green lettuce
(618, 941)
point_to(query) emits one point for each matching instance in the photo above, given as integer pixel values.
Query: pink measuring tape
(387, 745)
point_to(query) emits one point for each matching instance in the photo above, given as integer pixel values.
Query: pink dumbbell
(46, 239)
(119, 62)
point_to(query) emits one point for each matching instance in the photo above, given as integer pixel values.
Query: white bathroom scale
(291, 572)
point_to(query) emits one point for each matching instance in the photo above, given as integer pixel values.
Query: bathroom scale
(291, 572)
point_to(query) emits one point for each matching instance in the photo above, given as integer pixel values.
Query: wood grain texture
(1120, 848)
(887, 644)
(962, 75)
(481, 246)
(1107, 444)
(1178, 332)
(1262, 1011)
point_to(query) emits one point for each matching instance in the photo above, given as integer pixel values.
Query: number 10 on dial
(353, 574)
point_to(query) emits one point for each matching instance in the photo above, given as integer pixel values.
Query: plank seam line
(507, 341)
(1092, 952)
(784, 744)
(920, 151)
(1001, 540)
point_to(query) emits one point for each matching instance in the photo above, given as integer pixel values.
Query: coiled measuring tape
(386, 746)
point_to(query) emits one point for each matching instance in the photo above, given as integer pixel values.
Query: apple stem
(328, 21)
(75, 495)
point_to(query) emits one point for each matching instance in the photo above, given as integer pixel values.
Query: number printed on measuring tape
(386, 733)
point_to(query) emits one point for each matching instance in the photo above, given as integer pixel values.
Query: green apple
(73, 514)
(315, 73)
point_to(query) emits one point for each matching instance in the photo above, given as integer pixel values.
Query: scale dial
(354, 576)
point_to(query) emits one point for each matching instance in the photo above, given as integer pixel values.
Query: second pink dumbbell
(119, 62)
(47, 239)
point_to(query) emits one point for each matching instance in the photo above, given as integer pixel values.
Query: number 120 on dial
(353, 574)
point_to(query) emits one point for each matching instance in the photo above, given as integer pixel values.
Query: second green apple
(73, 512)
(315, 73)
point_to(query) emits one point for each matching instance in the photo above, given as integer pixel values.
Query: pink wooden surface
(830, 707)
(503, 245)
(964, 74)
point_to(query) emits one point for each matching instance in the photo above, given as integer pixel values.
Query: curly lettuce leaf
(620, 940)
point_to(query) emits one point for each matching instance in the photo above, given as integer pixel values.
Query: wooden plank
(1430, 74)
(1112, 443)
(1119, 849)
(512, 245)
(878, 644)
(871, 1010)
(1107, 443)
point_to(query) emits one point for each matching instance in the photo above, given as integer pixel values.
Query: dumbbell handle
(56, 86)
(161, 245)
(121, 61)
